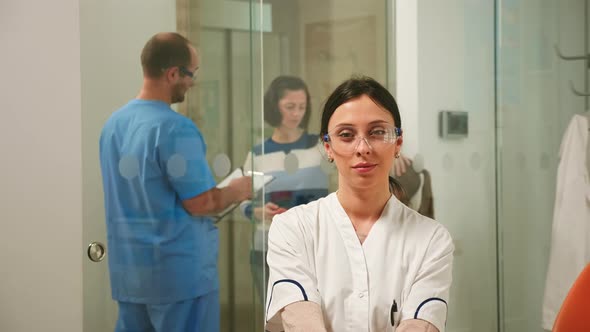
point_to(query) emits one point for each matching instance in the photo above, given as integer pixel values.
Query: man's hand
(216, 200)
(241, 188)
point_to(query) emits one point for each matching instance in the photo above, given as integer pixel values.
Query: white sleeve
(292, 275)
(429, 293)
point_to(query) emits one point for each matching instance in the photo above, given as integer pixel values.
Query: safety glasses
(188, 73)
(346, 140)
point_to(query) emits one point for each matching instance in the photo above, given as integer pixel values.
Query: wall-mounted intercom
(453, 124)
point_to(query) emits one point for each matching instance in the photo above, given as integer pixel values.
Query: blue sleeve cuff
(248, 211)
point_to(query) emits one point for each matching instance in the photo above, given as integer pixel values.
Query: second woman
(292, 156)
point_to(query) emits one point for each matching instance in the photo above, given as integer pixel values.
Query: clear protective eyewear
(346, 140)
(186, 72)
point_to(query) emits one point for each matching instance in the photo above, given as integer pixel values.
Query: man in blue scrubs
(158, 190)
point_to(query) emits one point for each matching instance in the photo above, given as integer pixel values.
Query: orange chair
(574, 315)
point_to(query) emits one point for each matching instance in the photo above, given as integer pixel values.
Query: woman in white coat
(358, 259)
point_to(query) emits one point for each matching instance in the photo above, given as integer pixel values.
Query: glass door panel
(534, 107)
(112, 34)
(321, 43)
(240, 56)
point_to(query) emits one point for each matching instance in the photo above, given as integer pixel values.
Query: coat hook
(577, 92)
(568, 57)
(574, 57)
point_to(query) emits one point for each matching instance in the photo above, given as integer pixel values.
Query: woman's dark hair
(356, 87)
(276, 91)
(164, 50)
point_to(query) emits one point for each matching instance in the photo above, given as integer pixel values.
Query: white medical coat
(570, 237)
(315, 255)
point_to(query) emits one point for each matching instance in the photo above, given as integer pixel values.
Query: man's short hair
(163, 51)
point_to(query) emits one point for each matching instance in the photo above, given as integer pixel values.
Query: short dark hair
(356, 87)
(276, 91)
(164, 50)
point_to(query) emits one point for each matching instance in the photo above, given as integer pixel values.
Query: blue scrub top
(151, 159)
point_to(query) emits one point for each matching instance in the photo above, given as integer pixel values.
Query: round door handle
(96, 251)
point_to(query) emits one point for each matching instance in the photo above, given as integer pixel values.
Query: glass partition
(307, 49)
(493, 188)
(294, 40)
(244, 46)
(445, 71)
(112, 35)
(534, 107)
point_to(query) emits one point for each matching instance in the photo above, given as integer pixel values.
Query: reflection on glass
(321, 43)
(292, 156)
(291, 163)
(221, 165)
(536, 105)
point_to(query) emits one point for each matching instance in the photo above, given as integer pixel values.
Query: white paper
(259, 180)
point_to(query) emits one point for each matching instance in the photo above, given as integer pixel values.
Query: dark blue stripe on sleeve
(289, 281)
(429, 300)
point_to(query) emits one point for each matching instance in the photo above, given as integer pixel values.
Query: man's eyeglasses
(346, 140)
(188, 73)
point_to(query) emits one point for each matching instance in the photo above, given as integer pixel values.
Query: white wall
(445, 61)
(49, 76)
(113, 34)
(41, 169)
